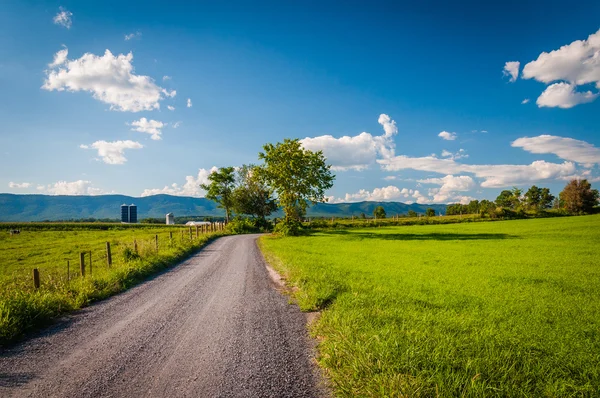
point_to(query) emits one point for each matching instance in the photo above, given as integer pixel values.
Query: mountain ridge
(38, 207)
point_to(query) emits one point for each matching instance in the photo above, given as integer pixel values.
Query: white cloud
(455, 156)
(355, 152)
(80, 187)
(135, 35)
(113, 152)
(171, 108)
(447, 136)
(110, 79)
(60, 57)
(176, 124)
(152, 127)
(495, 176)
(577, 64)
(511, 69)
(171, 94)
(189, 103)
(165, 78)
(19, 185)
(389, 178)
(63, 18)
(525, 101)
(190, 188)
(449, 185)
(563, 147)
(384, 194)
(563, 95)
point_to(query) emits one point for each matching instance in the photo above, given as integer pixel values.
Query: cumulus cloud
(63, 18)
(113, 152)
(152, 127)
(60, 57)
(355, 152)
(189, 103)
(511, 69)
(135, 35)
(20, 185)
(449, 185)
(563, 147)
(563, 95)
(79, 187)
(455, 156)
(576, 64)
(447, 136)
(191, 187)
(494, 176)
(109, 78)
(171, 108)
(384, 194)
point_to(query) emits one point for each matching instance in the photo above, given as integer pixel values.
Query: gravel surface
(213, 326)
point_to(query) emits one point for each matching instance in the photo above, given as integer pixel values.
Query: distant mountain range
(53, 208)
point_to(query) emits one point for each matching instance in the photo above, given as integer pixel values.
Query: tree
(220, 188)
(297, 176)
(504, 199)
(379, 212)
(546, 199)
(533, 198)
(251, 196)
(516, 197)
(363, 216)
(430, 212)
(579, 197)
(412, 213)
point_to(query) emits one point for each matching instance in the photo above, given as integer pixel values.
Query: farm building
(170, 219)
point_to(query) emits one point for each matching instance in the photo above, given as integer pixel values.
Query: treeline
(577, 197)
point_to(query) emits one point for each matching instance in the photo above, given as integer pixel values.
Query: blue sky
(414, 103)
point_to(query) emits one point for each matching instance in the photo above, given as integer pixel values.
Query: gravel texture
(213, 326)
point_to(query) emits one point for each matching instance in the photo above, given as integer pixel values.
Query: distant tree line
(577, 197)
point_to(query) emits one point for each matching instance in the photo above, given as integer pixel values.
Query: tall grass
(503, 309)
(23, 308)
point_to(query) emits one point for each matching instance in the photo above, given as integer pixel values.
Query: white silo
(170, 219)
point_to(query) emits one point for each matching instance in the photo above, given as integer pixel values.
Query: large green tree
(220, 188)
(251, 196)
(297, 176)
(579, 197)
(379, 212)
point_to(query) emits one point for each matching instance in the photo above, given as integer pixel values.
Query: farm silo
(124, 213)
(170, 219)
(132, 213)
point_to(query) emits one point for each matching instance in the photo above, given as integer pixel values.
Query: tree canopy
(220, 188)
(296, 175)
(579, 197)
(379, 212)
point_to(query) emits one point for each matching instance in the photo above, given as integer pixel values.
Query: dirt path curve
(213, 326)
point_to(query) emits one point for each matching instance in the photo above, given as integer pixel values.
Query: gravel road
(214, 326)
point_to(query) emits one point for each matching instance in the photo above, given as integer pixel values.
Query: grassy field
(48, 249)
(506, 309)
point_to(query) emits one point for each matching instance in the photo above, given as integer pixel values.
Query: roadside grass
(22, 308)
(503, 309)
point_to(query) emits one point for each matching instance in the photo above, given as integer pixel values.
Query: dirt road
(213, 326)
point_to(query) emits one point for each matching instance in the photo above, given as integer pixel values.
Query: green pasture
(62, 288)
(502, 309)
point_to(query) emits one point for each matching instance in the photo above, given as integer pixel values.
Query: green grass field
(48, 248)
(506, 309)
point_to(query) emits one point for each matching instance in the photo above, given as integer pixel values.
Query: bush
(290, 228)
(241, 225)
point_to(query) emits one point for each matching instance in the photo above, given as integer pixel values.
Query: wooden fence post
(171, 236)
(36, 278)
(108, 254)
(196, 232)
(182, 234)
(82, 264)
(135, 246)
(68, 271)
(190, 233)
(90, 263)
(156, 242)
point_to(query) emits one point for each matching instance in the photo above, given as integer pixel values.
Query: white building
(196, 223)
(170, 219)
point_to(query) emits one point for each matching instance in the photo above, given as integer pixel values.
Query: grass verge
(499, 309)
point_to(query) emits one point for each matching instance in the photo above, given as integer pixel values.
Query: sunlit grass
(23, 308)
(503, 309)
